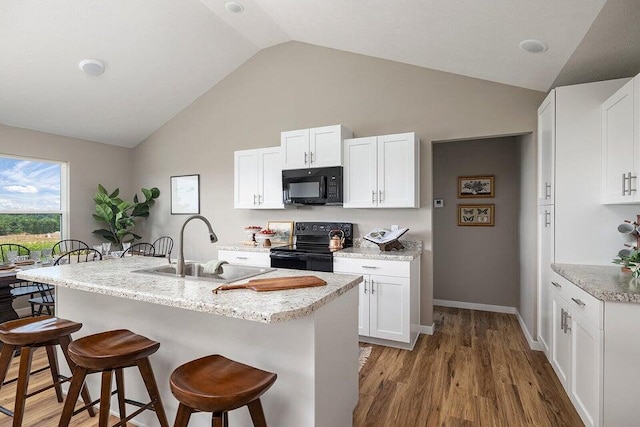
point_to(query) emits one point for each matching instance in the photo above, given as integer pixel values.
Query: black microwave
(315, 186)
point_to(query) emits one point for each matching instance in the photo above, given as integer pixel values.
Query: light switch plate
(438, 203)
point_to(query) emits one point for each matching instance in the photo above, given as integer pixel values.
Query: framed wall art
(476, 186)
(476, 215)
(185, 195)
(283, 230)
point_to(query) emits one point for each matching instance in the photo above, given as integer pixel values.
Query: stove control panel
(322, 228)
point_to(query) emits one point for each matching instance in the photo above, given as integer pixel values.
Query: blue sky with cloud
(28, 185)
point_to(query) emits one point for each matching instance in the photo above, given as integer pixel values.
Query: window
(33, 202)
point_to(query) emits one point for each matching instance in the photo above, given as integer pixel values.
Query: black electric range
(311, 248)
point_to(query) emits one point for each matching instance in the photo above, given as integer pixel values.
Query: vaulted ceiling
(161, 55)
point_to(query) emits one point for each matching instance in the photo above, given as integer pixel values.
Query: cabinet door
(360, 173)
(546, 149)
(363, 307)
(325, 146)
(295, 149)
(586, 369)
(258, 259)
(389, 308)
(397, 171)
(545, 259)
(619, 150)
(560, 340)
(245, 182)
(270, 179)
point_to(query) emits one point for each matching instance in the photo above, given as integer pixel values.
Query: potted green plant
(630, 262)
(119, 215)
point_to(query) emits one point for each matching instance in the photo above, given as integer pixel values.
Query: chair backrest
(163, 246)
(68, 245)
(6, 247)
(78, 255)
(142, 249)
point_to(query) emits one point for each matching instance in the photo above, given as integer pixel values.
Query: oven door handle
(285, 255)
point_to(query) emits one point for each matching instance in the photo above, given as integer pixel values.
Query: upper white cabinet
(546, 149)
(382, 172)
(258, 179)
(621, 145)
(315, 147)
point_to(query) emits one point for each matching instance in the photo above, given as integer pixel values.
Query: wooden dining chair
(68, 245)
(47, 299)
(140, 249)
(21, 288)
(163, 246)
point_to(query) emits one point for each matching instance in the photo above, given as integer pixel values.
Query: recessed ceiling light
(93, 67)
(534, 46)
(234, 7)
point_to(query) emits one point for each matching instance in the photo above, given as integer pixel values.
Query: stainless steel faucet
(212, 237)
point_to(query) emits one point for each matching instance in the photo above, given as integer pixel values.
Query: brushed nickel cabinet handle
(369, 266)
(373, 197)
(579, 302)
(547, 219)
(305, 157)
(630, 177)
(562, 315)
(254, 199)
(311, 156)
(624, 184)
(372, 289)
(241, 257)
(557, 285)
(567, 322)
(365, 286)
(547, 190)
(380, 195)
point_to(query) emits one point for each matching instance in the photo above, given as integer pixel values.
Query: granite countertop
(115, 277)
(605, 282)
(364, 249)
(245, 248)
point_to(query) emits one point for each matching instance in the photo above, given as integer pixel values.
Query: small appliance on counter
(314, 246)
(314, 186)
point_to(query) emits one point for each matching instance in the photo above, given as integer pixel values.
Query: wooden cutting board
(276, 284)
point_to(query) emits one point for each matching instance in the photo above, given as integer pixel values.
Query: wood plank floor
(476, 370)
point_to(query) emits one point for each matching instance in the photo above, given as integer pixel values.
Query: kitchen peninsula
(308, 337)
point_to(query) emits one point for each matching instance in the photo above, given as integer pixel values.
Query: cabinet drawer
(371, 266)
(589, 306)
(260, 259)
(560, 285)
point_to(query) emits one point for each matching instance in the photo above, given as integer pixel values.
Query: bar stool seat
(107, 352)
(28, 334)
(216, 384)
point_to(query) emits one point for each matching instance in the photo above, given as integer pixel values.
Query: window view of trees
(29, 224)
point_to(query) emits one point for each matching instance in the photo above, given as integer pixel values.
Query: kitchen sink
(193, 270)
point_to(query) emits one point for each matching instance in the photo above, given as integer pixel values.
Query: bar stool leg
(55, 373)
(150, 381)
(183, 415)
(257, 414)
(26, 356)
(64, 345)
(120, 388)
(217, 419)
(105, 399)
(77, 384)
(5, 361)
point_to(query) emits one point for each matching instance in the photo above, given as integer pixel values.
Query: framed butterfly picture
(476, 186)
(476, 215)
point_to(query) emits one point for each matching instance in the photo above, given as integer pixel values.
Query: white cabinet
(382, 172)
(258, 259)
(621, 145)
(258, 179)
(388, 310)
(577, 347)
(546, 149)
(546, 251)
(315, 147)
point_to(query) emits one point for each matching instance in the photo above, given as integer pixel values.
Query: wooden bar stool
(29, 334)
(218, 385)
(107, 352)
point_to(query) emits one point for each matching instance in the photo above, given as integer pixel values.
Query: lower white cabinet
(577, 347)
(388, 310)
(258, 259)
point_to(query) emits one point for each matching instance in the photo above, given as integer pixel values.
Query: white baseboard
(533, 344)
(474, 306)
(426, 330)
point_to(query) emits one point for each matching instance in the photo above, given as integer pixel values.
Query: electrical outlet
(438, 203)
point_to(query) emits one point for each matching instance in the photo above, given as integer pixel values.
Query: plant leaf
(104, 211)
(115, 193)
(155, 192)
(135, 199)
(101, 189)
(135, 236)
(102, 198)
(147, 193)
